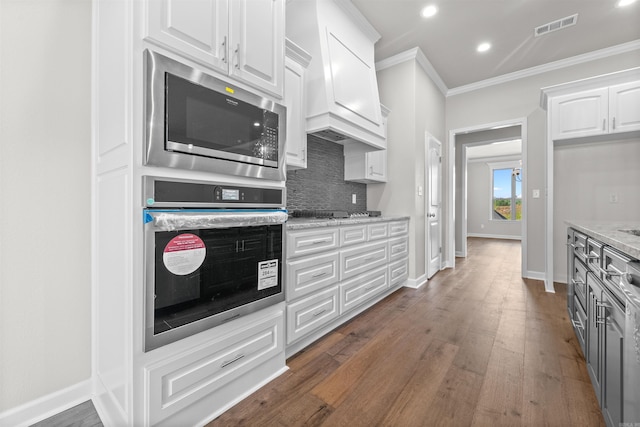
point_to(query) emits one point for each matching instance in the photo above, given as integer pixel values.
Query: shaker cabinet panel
(312, 313)
(579, 115)
(624, 107)
(309, 274)
(296, 61)
(195, 28)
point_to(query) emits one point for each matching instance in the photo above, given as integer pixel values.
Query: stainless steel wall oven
(197, 121)
(213, 252)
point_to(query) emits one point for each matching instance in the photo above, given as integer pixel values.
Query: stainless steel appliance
(213, 252)
(197, 121)
(630, 285)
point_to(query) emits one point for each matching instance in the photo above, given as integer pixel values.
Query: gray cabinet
(597, 312)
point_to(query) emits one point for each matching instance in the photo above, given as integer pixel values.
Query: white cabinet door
(624, 107)
(195, 28)
(580, 114)
(296, 114)
(256, 43)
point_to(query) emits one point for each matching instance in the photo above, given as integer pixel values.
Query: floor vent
(555, 25)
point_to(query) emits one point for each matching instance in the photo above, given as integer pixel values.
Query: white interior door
(433, 210)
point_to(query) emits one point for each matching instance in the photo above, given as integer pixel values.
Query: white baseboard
(416, 283)
(535, 275)
(47, 406)
(494, 236)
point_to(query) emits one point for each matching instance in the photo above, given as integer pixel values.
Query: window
(506, 203)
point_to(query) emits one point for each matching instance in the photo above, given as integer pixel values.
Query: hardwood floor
(476, 346)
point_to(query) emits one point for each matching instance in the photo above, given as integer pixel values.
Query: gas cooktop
(327, 214)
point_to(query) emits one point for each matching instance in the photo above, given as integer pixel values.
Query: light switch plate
(536, 194)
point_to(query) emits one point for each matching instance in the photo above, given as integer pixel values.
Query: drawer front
(579, 244)
(312, 313)
(580, 324)
(579, 281)
(310, 274)
(614, 264)
(377, 231)
(360, 289)
(307, 242)
(398, 272)
(397, 228)
(398, 248)
(180, 381)
(353, 234)
(362, 258)
(593, 255)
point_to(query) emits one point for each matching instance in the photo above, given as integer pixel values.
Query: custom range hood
(343, 104)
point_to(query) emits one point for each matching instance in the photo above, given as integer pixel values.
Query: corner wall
(417, 106)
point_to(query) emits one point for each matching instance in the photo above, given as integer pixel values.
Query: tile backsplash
(322, 184)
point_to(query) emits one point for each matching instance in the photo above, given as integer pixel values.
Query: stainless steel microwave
(199, 122)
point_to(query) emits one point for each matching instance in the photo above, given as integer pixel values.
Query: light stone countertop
(304, 223)
(609, 232)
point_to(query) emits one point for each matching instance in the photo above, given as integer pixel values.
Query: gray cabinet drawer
(579, 280)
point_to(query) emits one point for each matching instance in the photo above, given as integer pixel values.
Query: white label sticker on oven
(267, 274)
(184, 254)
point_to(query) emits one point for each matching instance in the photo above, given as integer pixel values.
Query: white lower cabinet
(360, 289)
(211, 371)
(335, 272)
(311, 313)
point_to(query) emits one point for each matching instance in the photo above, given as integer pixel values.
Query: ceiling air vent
(555, 25)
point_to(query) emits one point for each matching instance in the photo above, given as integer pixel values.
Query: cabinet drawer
(579, 281)
(362, 258)
(180, 381)
(580, 324)
(614, 264)
(353, 234)
(396, 228)
(593, 254)
(398, 248)
(398, 271)
(377, 231)
(358, 290)
(312, 313)
(579, 244)
(307, 275)
(307, 242)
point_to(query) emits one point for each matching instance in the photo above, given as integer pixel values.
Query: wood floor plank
(500, 401)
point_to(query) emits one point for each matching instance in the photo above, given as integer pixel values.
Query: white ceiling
(449, 38)
(495, 149)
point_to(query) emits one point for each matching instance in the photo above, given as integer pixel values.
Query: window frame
(493, 166)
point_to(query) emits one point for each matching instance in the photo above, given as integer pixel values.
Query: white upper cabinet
(240, 38)
(367, 167)
(596, 112)
(295, 63)
(624, 107)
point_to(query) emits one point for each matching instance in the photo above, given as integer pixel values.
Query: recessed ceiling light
(428, 11)
(623, 3)
(483, 47)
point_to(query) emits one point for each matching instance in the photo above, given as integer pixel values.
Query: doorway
(457, 201)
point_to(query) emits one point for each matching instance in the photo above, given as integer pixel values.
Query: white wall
(585, 176)
(417, 106)
(521, 98)
(479, 202)
(45, 311)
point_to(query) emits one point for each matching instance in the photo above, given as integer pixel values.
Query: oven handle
(193, 219)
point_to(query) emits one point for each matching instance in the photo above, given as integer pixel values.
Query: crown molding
(414, 54)
(297, 53)
(551, 66)
(351, 10)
